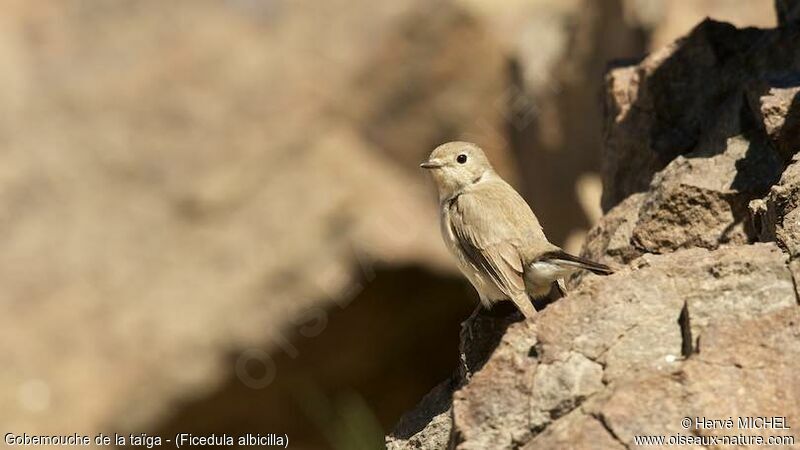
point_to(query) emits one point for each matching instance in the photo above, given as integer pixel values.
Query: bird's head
(455, 166)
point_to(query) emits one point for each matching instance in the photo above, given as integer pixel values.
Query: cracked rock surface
(702, 318)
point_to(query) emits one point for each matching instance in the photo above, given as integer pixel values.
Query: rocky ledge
(701, 192)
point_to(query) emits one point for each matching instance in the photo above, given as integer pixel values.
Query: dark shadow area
(486, 330)
(693, 92)
(347, 386)
(761, 166)
(789, 137)
(436, 402)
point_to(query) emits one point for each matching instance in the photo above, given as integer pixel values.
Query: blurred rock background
(212, 217)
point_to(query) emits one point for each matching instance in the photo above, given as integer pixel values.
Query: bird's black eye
(462, 158)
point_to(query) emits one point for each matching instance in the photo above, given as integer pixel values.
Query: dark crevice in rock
(639, 247)
(600, 418)
(737, 365)
(518, 444)
(794, 281)
(556, 413)
(566, 407)
(686, 331)
(538, 429)
(602, 364)
(453, 436)
(599, 358)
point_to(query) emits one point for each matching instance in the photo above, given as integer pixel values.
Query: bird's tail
(562, 258)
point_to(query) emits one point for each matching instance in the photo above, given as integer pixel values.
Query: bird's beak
(431, 164)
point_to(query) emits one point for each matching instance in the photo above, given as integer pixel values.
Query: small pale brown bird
(496, 239)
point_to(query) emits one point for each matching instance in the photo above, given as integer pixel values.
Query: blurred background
(211, 213)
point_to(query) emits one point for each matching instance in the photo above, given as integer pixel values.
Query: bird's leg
(466, 331)
(467, 324)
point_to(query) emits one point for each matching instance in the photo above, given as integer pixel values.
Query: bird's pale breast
(487, 290)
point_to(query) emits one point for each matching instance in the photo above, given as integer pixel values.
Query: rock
(429, 424)
(576, 430)
(701, 201)
(777, 109)
(649, 405)
(588, 358)
(656, 109)
(705, 278)
(560, 386)
(737, 358)
(698, 200)
(777, 216)
(609, 241)
(741, 282)
(492, 410)
(726, 379)
(677, 99)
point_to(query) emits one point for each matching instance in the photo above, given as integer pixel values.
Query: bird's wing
(488, 230)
